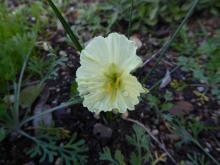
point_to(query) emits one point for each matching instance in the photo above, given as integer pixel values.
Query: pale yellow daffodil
(104, 77)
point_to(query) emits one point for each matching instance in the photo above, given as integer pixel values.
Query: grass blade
(66, 26)
(130, 18)
(165, 47)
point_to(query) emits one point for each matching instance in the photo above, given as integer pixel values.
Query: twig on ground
(153, 56)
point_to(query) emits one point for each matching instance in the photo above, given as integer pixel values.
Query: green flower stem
(165, 47)
(66, 26)
(50, 111)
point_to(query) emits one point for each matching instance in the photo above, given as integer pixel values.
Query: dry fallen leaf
(181, 108)
(166, 80)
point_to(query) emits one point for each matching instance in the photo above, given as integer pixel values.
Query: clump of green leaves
(196, 128)
(203, 62)
(162, 102)
(116, 159)
(47, 147)
(141, 142)
(179, 129)
(149, 12)
(141, 153)
(197, 159)
(45, 68)
(17, 36)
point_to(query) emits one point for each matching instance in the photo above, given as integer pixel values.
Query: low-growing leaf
(30, 94)
(119, 157)
(166, 80)
(166, 106)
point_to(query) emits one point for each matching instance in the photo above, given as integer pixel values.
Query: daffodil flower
(104, 77)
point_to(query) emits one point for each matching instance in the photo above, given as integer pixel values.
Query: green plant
(208, 72)
(47, 148)
(185, 44)
(16, 30)
(162, 102)
(179, 129)
(197, 159)
(196, 128)
(45, 69)
(141, 143)
(117, 159)
(211, 48)
(149, 12)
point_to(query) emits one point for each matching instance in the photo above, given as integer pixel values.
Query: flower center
(113, 81)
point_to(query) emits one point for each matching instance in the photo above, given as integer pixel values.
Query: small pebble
(58, 161)
(193, 100)
(46, 46)
(52, 88)
(206, 149)
(96, 115)
(33, 19)
(102, 131)
(54, 102)
(200, 89)
(155, 132)
(125, 115)
(62, 53)
(208, 145)
(63, 73)
(142, 115)
(68, 111)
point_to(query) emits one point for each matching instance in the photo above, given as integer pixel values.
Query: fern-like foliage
(47, 148)
(17, 36)
(141, 147)
(116, 159)
(141, 142)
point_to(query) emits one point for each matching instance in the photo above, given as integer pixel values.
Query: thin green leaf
(66, 26)
(165, 47)
(130, 18)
